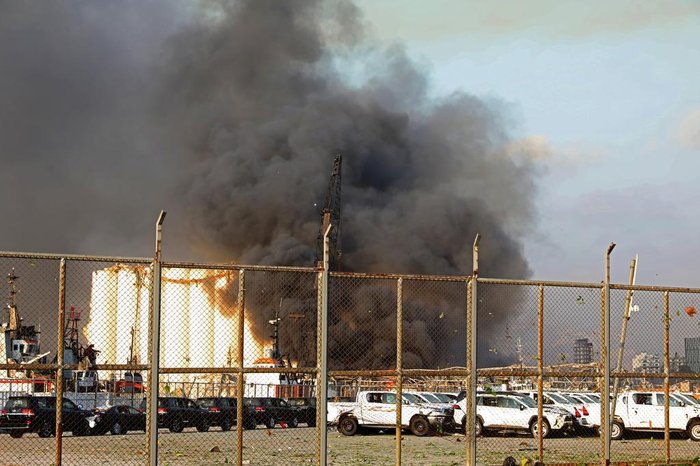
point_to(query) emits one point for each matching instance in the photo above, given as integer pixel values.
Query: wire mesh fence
(239, 363)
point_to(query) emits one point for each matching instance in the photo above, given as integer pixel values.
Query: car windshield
(17, 403)
(411, 398)
(558, 398)
(527, 401)
(430, 398)
(206, 402)
(297, 402)
(442, 397)
(689, 400)
(594, 396)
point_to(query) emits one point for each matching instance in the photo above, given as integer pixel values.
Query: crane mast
(330, 215)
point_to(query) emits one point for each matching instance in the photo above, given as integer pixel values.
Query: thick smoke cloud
(258, 102)
(229, 115)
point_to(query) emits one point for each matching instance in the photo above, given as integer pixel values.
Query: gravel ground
(298, 446)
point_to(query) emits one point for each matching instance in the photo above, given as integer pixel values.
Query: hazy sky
(605, 96)
(600, 98)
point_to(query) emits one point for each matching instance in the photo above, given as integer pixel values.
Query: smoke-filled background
(229, 115)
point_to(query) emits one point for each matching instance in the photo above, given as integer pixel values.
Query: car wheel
(270, 423)
(348, 426)
(478, 428)
(46, 430)
(694, 431)
(226, 425)
(117, 429)
(617, 431)
(250, 424)
(419, 426)
(294, 422)
(545, 428)
(176, 426)
(203, 426)
(311, 422)
(16, 433)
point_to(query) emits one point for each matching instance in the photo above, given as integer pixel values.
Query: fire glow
(199, 318)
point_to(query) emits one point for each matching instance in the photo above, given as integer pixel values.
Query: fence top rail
(613, 286)
(74, 257)
(505, 281)
(670, 289)
(394, 276)
(237, 267)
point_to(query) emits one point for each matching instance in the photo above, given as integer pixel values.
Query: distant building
(583, 351)
(678, 363)
(647, 363)
(692, 353)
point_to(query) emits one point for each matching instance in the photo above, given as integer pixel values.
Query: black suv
(222, 411)
(23, 414)
(307, 409)
(271, 411)
(177, 413)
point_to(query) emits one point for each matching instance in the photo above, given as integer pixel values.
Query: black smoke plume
(229, 114)
(258, 100)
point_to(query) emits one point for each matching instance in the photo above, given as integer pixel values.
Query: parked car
(518, 413)
(644, 411)
(118, 420)
(307, 409)
(27, 413)
(377, 410)
(223, 411)
(177, 413)
(272, 411)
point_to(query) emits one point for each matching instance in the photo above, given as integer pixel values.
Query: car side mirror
(80, 406)
(522, 408)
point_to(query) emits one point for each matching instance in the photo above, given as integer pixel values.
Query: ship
(21, 345)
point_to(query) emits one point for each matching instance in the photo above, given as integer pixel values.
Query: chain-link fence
(225, 364)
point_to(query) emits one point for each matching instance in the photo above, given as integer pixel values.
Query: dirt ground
(298, 446)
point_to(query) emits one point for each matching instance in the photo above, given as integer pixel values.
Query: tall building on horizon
(583, 351)
(647, 363)
(692, 353)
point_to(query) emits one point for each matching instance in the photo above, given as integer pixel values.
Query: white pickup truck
(644, 411)
(377, 410)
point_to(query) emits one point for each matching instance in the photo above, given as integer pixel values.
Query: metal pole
(540, 368)
(606, 418)
(152, 403)
(59, 361)
(322, 356)
(469, 428)
(667, 370)
(240, 377)
(399, 366)
(623, 332)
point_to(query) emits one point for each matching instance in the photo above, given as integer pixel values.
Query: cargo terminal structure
(200, 318)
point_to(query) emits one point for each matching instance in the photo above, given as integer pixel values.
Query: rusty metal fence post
(152, 402)
(605, 416)
(399, 366)
(59, 362)
(667, 369)
(322, 355)
(240, 377)
(469, 428)
(623, 333)
(540, 368)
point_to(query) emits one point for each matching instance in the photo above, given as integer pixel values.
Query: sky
(587, 114)
(605, 96)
